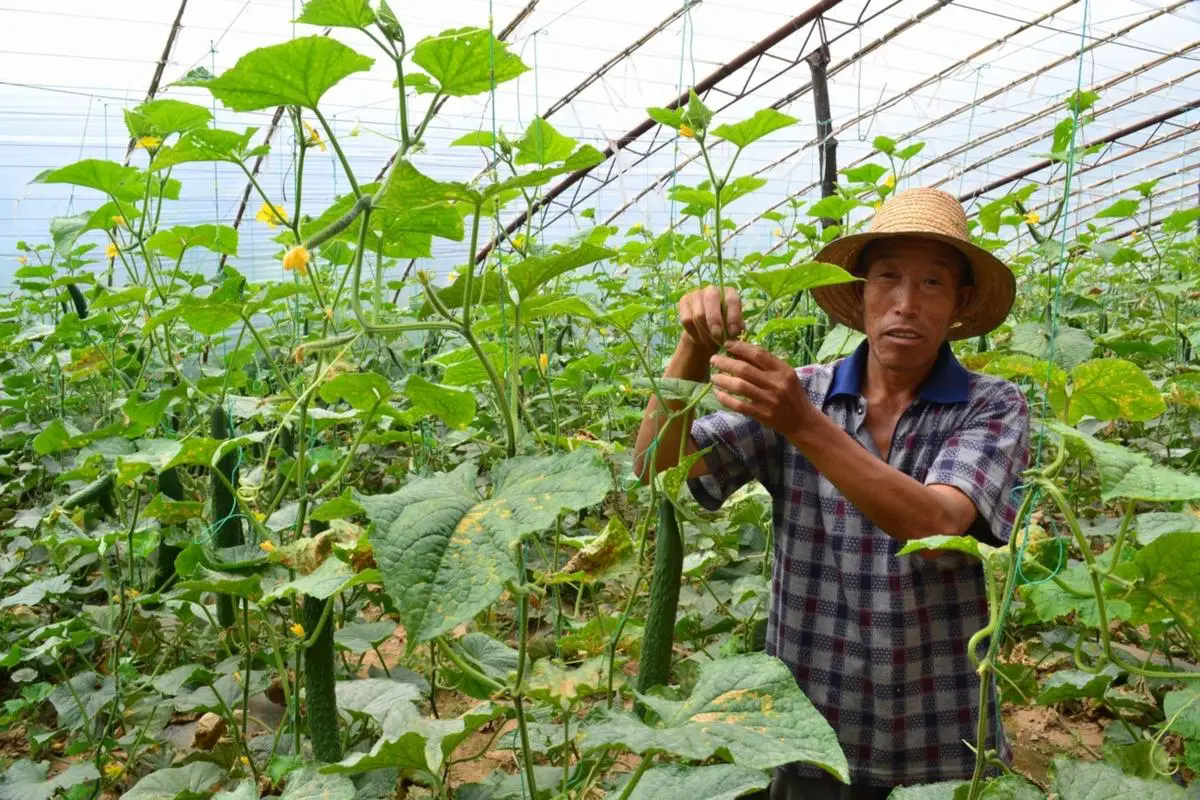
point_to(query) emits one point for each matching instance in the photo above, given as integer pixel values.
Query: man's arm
(704, 325)
(771, 393)
(901, 506)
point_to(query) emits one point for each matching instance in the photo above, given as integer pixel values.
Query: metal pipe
(711, 80)
(1157, 119)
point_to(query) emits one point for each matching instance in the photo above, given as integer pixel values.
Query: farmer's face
(912, 294)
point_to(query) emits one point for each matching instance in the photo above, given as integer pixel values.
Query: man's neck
(893, 388)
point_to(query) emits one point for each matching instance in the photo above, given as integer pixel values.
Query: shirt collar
(947, 383)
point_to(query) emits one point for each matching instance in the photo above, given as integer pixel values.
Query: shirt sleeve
(985, 457)
(742, 449)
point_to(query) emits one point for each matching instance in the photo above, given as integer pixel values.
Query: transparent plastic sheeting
(68, 69)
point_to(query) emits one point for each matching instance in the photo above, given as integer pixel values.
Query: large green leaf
(745, 709)
(123, 183)
(35, 592)
(1170, 566)
(361, 390)
(1070, 346)
(528, 275)
(1095, 780)
(780, 283)
(164, 116)
(1129, 474)
(209, 144)
(714, 782)
(197, 778)
(839, 341)
(337, 13)
(583, 158)
(739, 187)
(543, 145)
(1150, 525)
(1122, 209)
(408, 191)
(308, 784)
(171, 242)
(26, 780)
(446, 555)
(454, 406)
(466, 61)
(1073, 684)
(1111, 388)
(331, 577)
(410, 741)
(294, 73)
(764, 122)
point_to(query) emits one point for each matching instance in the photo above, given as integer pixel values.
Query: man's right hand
(700, 315)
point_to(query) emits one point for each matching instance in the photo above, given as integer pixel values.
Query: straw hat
(926, 214)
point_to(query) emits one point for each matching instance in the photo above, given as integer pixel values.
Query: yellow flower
(267, 546)
(543, 361)
(686, 132)
(297, 258)
(890, 182)
(451, 277)
(245, 761)
(519, 241)
(130, 594)
(110, 252)
(22, 260)
(272, 215)
(1033, 218)
(328, 312)
(119, 222)
(149, 142)
(779, 232)
(708, 230)
(297, 629)
(314, 137)
(112, 770)
(877, 206)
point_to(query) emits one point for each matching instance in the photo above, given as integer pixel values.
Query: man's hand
(703, 325)
(756, 383)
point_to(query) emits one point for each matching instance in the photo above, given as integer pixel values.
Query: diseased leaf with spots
(746, 709)
(1080, 780)
(713, 782)
(167, 784)
(445, 554)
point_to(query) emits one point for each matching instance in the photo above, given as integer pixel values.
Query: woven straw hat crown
(925, 214)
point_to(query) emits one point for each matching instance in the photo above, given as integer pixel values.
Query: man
(894, 443)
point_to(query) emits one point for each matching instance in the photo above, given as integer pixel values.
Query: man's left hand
(754, 382)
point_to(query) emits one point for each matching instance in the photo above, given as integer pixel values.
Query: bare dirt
(1038, 734)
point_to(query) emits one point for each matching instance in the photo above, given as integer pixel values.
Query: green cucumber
(99, 491)
(172, 489)
(319, 677)
(227, 524)
(77, 298)
(654, 666)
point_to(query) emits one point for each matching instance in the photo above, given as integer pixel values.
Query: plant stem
(337, 148)
(519, 684)
(636, 777)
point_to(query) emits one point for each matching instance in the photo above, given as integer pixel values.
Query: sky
(69, 68)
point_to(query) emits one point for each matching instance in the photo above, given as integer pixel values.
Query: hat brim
(995, 287)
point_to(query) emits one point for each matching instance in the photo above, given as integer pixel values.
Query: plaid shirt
(879, 642)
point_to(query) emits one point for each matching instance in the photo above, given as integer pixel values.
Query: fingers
(753, 354)
(700, 315)
(691, 317)
(739, 386)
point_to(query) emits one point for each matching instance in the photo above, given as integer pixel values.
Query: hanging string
(1055, 305)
